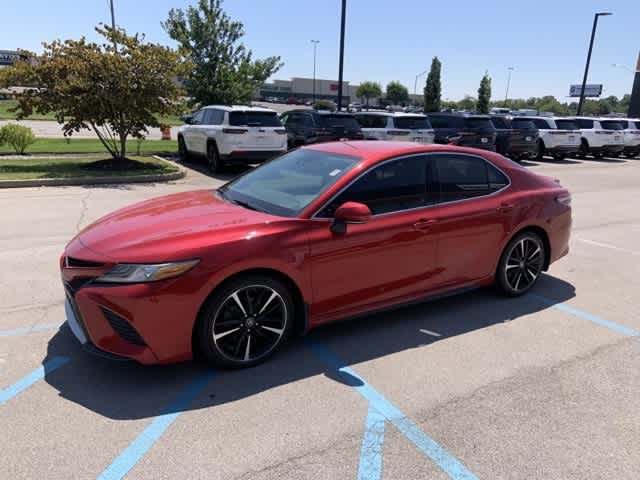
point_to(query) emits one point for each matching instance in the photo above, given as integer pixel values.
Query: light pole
(506, 94)
(113, 26)
(415, 84)
(315, 46)
(586, 68)
(340, 67)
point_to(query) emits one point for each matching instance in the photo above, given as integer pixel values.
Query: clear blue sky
(546, 41)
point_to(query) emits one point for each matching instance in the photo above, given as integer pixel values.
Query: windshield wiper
(248, 205)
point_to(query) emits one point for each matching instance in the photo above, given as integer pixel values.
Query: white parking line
(609, 246)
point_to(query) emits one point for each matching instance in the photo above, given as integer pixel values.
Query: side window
(213, 117)
(584, 123)
(372, 121)
(293, 119)
(540, 123)
(497, 179)
(394, 186)
(307, 121)
(284, 118)
(499, 122)
(461, 177)
(198, 118)
(439, 122)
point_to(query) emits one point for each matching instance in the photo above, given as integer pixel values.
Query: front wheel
(541, 149)
(213, 159)
(246, 321)
(183, 153)
(521, 264)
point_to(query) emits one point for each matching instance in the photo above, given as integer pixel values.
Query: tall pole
(415, 83)
(113, 26)
(506, 95)
(586, 68)
(340, 68)
(315, 45)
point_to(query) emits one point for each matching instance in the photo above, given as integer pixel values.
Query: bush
(17, 136)
(324, 105)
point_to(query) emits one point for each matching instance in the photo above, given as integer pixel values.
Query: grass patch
(35, 168)
(90, 145)
(6, 105)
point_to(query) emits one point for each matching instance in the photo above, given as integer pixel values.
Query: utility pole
(315, 45)
(341, 66)
(634, 104)
(415, 83)
(506, 95)
(586, 68)
(113, 26)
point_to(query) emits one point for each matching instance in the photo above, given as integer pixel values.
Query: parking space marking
(24, 330)
(370, 467)
(587, 316)
(47, 367)
(447, 462)
(145, 440)
(609, 246)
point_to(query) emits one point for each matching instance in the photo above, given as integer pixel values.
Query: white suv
(232, 134)
(597, 139)
(631, 132)
(403, 127)
(558, 137)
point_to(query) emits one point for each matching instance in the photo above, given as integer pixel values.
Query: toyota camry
(324, 232)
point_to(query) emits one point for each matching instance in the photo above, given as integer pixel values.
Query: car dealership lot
(543, 386)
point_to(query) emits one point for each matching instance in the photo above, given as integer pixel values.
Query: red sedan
(323, 232)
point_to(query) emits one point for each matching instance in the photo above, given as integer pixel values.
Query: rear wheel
(541, 149)
(599, 155)
(246, 321)
(559, 156)
(584, 149)
(183, 153)
(213, 158)
(521, 264)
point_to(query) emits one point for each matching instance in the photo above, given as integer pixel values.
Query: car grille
(123, 328)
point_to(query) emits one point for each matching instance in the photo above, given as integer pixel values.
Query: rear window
(254, 119)
(346, 121)
(473, 122)
(566, 125)
(541, 123)
(499, 122)
(519, 124)
(372, 121)
(583, 123)
(611, 125)
(441, 122)
(411, 123)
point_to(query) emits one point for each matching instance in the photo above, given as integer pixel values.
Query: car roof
(461, 114)
(240, 108)
(378, 113)
(408, 114)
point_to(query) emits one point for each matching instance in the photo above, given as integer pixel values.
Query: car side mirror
(349, 212)
(187, 119)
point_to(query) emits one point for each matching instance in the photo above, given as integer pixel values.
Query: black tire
(183, 153)
(584, 149)
(521, 264)
(213, 159)
(598, 155)
(560, 156)
(541, 149)
(241, 302)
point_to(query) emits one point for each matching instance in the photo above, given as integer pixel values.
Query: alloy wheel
(524, 264)
(212, 157)
(249, 323)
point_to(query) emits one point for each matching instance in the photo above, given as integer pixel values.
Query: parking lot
(545, 386)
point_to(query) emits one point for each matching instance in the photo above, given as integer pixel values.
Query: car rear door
(391, 256)
(471, 218)
(262, 129)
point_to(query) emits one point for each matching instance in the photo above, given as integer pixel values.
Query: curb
(62, 182)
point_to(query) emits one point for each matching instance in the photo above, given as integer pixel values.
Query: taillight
(398, 132)
(280, 131)
(564, 199)
(234, 130)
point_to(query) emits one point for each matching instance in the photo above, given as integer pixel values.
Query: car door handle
(424, 224)
(505, 207)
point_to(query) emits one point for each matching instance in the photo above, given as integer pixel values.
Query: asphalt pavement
(475, 386)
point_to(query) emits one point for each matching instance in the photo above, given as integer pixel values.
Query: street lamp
(586, 68)
(506, 94)
(415, 84)
(341, 65)
(315, 46)
(113, 26)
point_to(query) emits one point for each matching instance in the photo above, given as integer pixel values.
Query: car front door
(390, 257)
(192, 133)
(472, 218)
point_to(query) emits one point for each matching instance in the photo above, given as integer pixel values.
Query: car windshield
(412, 123)
(286, 185)
(346, 121)
(520, 124)
(611, 125)
(478, 122)
(566, 125)
(254, 119)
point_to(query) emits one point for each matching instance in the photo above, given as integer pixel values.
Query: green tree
(397, 93)
(223, 70)
(484, 94)
(18, 136)
(116, 94)
(467, 103)
(368, 90)
(433, 87)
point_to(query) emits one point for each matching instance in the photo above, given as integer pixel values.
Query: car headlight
(141, 273)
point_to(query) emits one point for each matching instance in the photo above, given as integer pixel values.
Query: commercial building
(302, 88)
(8, 57)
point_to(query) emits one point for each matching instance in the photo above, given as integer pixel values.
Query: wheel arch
(542, 233)
(300, 314)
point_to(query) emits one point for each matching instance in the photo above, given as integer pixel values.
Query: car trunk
(255, 130)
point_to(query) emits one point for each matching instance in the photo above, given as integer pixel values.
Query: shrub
(17, 136)
(324, 105)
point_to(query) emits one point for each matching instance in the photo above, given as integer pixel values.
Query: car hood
(168, 228)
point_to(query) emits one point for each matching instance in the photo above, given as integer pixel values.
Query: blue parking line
(370, 467)
(24, 330)
(452, 467)
(587, 316)
(25, 382)
(145, 440)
